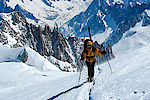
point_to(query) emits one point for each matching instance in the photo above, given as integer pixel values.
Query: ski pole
(109, 65)
(79, 76)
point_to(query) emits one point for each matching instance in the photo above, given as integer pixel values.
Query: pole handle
(109, 65)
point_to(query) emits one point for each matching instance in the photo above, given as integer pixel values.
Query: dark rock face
(4, 7)
(126, 17)
(88, 18)
(23, 56)
(60, 47)
(25, 13)
(146, 20)
(77, 47)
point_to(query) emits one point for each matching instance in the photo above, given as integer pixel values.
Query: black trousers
(90, 68)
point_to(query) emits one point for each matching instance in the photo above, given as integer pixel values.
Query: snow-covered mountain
(15, 31)
(74, 16)
(103, 15)
(50, 12)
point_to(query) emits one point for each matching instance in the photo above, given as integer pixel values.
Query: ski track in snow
(84, 93)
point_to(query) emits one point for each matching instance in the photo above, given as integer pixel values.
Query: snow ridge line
(64, 92)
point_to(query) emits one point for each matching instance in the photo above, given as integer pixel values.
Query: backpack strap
(93, 49)
(85, 51)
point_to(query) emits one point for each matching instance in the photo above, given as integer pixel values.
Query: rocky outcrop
(77, 47)
(17, 32)
(146, 20)
(23, 56)
(4, 7)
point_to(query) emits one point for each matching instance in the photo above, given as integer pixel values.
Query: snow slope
(34, 59)
(100, 38)
(129, 80)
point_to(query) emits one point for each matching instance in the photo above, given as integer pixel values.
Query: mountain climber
(89, 53)
(102, 48)
(110, 54)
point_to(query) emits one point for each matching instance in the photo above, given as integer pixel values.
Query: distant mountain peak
(51, 12)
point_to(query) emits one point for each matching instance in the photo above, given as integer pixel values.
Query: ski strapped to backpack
(89, 33)
(86, 41)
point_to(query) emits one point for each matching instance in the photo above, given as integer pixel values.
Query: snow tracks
(84, 90)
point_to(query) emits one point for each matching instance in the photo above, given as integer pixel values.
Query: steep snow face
(131, 68)
(133, 39)
(130, 78)
(8, 54)
(34, 59)
(52, 12)
(100, 38)
(39, 62)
